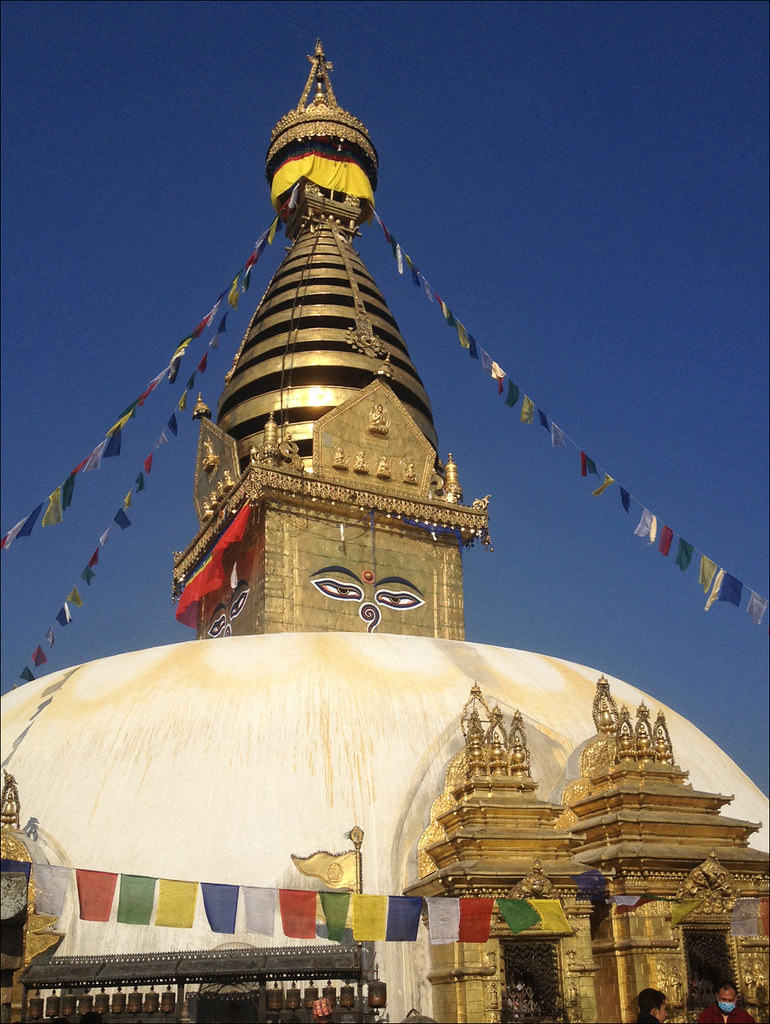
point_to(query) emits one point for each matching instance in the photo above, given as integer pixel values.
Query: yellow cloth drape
(176, 903)
(680, 910)
(339, 175)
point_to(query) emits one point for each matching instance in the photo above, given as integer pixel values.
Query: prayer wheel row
(69, 1005)
(294, 998)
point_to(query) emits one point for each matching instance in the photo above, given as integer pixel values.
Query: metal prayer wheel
(85, 1004)
(309, 996)
(119, 1002)
(378, 993)
(53, 1005)
(330, 992)
(35, 1007)
(151, 1001)
(293, 1000)
(347, 996)
(135, 1001)
(102, 1002)
(167, 1001)
(68, 1004)
(275, 998)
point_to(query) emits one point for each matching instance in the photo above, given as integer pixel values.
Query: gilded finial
(453, 492)
(643, 733)
(664, 751)
(605, 710)
(201, 410)
(520, 763)
(625, 736)
(11, 808)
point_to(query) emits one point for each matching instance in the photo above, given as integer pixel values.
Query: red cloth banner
(666, 536)
(95, 892)
(475, 917)
(298, 913)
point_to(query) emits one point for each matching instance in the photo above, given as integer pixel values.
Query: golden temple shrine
(346, 702)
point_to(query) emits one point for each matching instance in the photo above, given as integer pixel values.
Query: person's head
(653, 1002)
(727, 993)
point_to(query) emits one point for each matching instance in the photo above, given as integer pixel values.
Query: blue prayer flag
(29, 522)
(625, 499)
(403, 918)
(122, 519)
(731, 590)
(172, 424)
(113, 446)
(543, 420)
(221, 903)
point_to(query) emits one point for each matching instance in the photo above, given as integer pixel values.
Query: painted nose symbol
(370, 613)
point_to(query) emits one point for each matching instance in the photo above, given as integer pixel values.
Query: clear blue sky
(585, 184)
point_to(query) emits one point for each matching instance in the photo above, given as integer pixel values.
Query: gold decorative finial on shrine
(11, 808)
(605, 710)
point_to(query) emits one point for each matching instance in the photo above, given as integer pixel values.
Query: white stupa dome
(216, 760)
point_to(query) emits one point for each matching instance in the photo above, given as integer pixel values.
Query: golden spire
(452, 490)
(201, 410)
(605, 710)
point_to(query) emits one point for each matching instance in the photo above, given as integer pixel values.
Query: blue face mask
(725, 1007)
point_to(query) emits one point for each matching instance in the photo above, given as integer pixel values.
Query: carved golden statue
(379, 421)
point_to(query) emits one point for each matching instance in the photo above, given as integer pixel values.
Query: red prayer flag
(93, 559)
(80, 466)
(202, 363)
(148, 463)
(95, 892)
(666, 536)
(499, 385)
(38, 656)
(297, 913)
(583, 466)
(626, 908)
(211, 574)
(475, 917)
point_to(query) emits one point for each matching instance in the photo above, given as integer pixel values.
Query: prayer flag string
(725, 587)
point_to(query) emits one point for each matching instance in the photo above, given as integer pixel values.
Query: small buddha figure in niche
(383, 468)
(360, 465)
(379, 422)
(340, 460)
(410, 476)
(228, 479)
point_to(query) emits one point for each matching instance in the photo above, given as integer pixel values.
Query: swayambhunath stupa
(528, 838)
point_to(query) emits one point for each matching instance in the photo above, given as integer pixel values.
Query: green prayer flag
(518, 914)
(26, 675)
(53, 512)
(591, 466)
(684, 554)
(137, 895)
(140, 483)
(335, 908)
(66, 492)
(190, 382)
(681, 909)
(513, 394)
(87, 574)
(527, 410)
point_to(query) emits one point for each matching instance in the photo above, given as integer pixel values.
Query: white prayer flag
(443, 919)
(757, 608)
(260, 906)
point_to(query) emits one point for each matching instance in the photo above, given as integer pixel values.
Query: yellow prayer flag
(714, 595)
(176, 903)
(680, 910)
(53, 513)
(552, 915)
(232, 298)
(653, 529)
(707, 570)
(272, 231)
(127, 500)
(462, 334)
(603, 485)
(182, 404)
(370, 915)
(120, 424)
(337, 870)
(527, 410)
(74, 598)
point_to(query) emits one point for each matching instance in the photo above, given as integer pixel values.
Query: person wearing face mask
(724, 1009)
